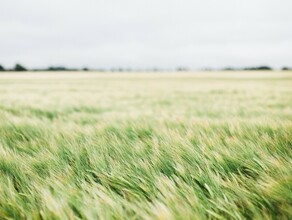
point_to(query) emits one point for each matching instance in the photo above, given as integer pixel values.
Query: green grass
(146, 146)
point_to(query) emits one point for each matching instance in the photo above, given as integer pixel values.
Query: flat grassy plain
(210, 145)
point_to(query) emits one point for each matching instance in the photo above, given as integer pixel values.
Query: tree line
(18, 68)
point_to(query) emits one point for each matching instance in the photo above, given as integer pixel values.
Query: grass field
(146, 146)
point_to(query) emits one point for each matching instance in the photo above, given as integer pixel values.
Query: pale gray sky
(146, 33)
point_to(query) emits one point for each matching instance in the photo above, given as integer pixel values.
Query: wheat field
(202, 145)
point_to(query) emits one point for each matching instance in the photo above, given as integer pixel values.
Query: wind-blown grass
(146, 146)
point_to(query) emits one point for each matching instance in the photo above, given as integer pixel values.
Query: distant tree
(58, 68)
(19, 67)
(258, 68)
(229, 69)
(2, 68)
(264, 68)
(85, 69)
(286, 68)
(181, 69)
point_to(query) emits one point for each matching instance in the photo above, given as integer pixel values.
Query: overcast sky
(146, 33)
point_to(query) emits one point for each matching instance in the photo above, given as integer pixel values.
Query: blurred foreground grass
(146, 146)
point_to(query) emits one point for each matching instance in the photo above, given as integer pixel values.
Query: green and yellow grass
(146, 146)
